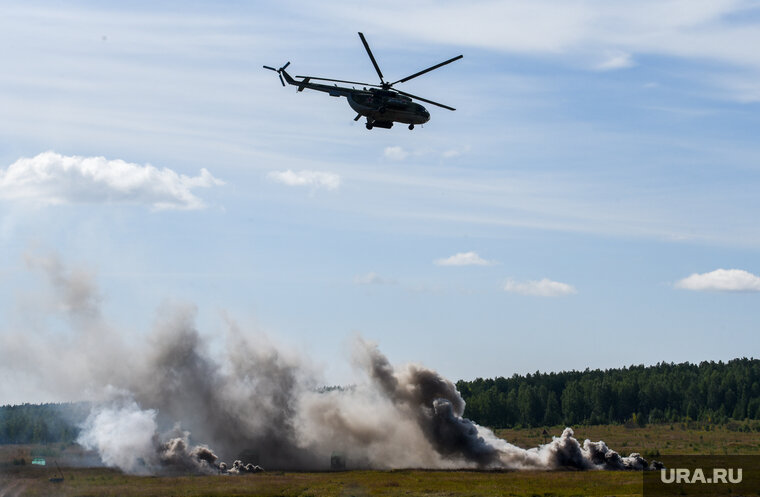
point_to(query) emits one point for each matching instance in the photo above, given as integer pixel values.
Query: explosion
(162, 404)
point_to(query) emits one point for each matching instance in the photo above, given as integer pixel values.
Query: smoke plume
(165, 400)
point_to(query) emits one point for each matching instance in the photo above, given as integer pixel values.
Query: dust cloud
(160, 404)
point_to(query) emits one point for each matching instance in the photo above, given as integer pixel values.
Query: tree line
(41, 423)
(712, 392)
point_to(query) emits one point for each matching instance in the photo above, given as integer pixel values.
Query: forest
(712, 392)
(41, 423)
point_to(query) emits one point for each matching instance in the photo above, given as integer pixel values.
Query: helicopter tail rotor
(279, 71)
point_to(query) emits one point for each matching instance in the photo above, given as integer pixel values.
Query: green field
(664, 439)
(91, 482)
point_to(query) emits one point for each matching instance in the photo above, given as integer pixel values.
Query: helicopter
(381, 104)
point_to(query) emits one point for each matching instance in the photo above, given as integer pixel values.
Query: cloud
(372, 278)
(314, 179)
(51, 178)
(395, 153)
(685, 28)
(455, 152)
(615, 60)
(463, 259)
(721, 280)
(541, 288)
(723, 31)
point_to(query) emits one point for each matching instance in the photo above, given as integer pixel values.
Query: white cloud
(372, 278)
(463, 259)
(615, 60)
(314, 179)
(395, 153)
(541, 288)
(455, 152)
(721, 280)
(51, 178)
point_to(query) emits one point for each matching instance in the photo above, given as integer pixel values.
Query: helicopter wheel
(369, 126)
(411, 126)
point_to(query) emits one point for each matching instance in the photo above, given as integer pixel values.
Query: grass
(33, 481)
(106, 482)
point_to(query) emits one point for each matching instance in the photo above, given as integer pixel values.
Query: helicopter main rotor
(384, 85)
(387, 86)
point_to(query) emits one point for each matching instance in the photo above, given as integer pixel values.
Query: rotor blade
(339, 81)
(428, 69)
(371, 57)
(286, 65)
(281, 80)
(270, 68)
(424, 99)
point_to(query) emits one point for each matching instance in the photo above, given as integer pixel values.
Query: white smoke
(123, 436)
(162, 398)
(127, 437)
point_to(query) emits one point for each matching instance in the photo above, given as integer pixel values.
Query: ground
(27, 480)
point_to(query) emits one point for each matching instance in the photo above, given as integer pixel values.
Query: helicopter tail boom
(305, 83)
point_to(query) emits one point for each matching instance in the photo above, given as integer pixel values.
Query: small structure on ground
(337, 461)
(59, 478)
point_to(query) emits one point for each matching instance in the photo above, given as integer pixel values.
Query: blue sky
(600, 155)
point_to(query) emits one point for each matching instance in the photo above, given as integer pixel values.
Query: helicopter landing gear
(374, 123)
(411, 127)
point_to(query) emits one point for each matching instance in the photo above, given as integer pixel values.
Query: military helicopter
(381, 104)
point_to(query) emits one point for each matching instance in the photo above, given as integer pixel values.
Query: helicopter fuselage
(382, 106)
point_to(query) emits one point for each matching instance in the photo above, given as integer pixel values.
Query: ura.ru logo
(684, 475)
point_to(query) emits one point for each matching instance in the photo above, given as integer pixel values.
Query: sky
(592, 202)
